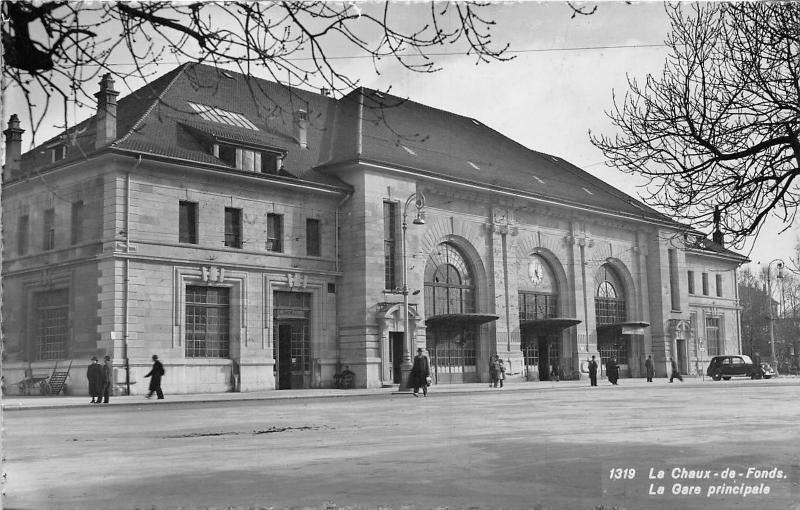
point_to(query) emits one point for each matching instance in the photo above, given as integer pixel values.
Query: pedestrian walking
(493, 371)
(94, 373)
(648, 368)
(593, 371)
(612, 371)
(155, 375)
(501, 370)
(420, 375)
(555, 373)
(108, 378)
(674, 371)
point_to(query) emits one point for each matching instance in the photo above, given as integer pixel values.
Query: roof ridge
(180, 70)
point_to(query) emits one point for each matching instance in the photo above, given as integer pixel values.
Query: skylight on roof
(473, 165)
(408, 150)
(539, 179)
(587, 190)
(221, 116)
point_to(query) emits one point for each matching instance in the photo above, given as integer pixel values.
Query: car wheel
(716, 376)
(727, 378)
(767, 376)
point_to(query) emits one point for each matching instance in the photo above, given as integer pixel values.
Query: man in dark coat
(612, 371)
(420, 373)
(155, 374)
(593, 371)
(648, 367)
(108, 378)
(95, 376)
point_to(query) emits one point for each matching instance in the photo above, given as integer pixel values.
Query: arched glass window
(606, 290)
(449, 284)
(609, 302)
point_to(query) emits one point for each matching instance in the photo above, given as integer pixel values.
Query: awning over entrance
(554, 324)
(626, 328)
(460, 319)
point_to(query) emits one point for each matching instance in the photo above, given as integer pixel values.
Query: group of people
(612, 370)
(101, 379)
(497, 371)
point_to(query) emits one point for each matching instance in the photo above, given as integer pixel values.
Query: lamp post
(771, 316)
(405, 366)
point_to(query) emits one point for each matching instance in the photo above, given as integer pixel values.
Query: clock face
(535, 272)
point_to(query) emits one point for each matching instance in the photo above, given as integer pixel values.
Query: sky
(551, 95)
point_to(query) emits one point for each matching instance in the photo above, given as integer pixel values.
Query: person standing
(593, 371)
(155, 375)
(501, 370)
(108, 378)
(493, 375)
(648, 368)
(420, 373)
(612, 371)
(95, 376)
(674, 373)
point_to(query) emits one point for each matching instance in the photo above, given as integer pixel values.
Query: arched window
(449, 284)
(609, 301)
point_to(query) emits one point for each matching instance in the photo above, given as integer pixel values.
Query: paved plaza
(565, 445)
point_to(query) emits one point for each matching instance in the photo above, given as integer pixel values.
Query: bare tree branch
(719, 127)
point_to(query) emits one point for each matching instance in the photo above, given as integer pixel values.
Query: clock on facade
(535, 272)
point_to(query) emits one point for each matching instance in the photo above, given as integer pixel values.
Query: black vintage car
(737, 365)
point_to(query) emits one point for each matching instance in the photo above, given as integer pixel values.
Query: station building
(253, 236)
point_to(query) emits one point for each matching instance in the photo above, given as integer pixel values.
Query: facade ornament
(297, 280)
(212, 274)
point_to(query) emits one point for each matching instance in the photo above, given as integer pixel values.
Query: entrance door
(396, 341)
(292, 355)
(682, 366)
(453, 354)
(549, 354)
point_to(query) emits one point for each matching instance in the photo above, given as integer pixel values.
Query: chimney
(106, 112)
(301, 128)
(718, 237)
(13, 148)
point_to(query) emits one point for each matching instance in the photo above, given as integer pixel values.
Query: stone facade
(133, 252)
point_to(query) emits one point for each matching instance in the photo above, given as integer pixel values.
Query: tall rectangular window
(719, 285)
(312, 237)
(23, 226)
(207, 322)
(49, 230)
(705, 283)
(713, 336)
(187, 222)
(76, 223)
(275, 233)
(52, 318)
(691, 281)
(389, 244)
(233, 227)
(674, 288)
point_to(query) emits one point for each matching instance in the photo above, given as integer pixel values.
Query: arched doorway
(453, 325)
(611, 314)
(542, 318)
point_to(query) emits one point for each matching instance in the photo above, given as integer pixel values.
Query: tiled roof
(410, 135)
(158, 119)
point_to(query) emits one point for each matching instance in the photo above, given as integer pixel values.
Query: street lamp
(405, 367)
(779, 265)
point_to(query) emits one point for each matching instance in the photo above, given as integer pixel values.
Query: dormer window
(249, 160)
(58, 152)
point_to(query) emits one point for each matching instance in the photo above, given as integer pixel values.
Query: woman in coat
(612, 371)
(420, 373)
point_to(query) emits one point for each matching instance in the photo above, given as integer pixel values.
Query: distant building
(251, 235)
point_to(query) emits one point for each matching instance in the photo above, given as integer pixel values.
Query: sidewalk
(16, 403)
